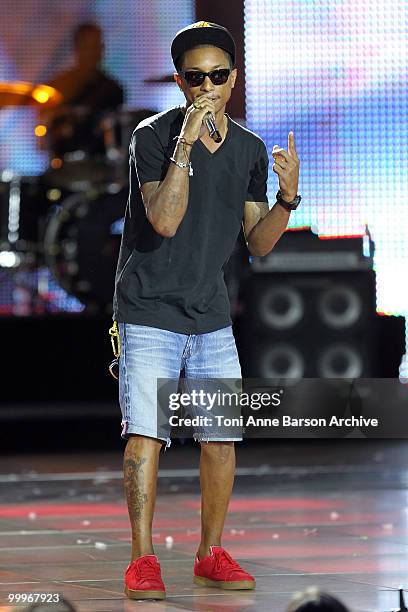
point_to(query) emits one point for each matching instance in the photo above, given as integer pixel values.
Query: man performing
(171, 301)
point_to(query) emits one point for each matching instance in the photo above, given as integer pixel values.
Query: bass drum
(81, 245)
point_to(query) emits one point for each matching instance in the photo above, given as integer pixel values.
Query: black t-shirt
(178, 283)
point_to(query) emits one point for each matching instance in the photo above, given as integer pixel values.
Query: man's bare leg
(140, 466)
(217, 468)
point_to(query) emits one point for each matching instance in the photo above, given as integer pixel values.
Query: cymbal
(22, 93)
(166, 78)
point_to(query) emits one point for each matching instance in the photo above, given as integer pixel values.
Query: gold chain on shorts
(115, 339)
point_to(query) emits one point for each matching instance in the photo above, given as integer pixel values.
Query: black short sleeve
(148, 154)
(177, 283)
(259, 177)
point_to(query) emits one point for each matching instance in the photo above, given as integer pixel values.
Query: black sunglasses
(195, 78)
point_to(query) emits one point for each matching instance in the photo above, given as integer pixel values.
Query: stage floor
(327, 513)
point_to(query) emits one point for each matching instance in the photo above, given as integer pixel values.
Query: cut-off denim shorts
(148, 353)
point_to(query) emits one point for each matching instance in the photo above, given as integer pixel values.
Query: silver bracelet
(183, 165)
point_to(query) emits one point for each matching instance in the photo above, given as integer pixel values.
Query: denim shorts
(148, 353)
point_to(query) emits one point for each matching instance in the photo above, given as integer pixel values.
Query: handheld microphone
(212, 128)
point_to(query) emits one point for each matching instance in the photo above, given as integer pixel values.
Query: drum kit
(70, 218)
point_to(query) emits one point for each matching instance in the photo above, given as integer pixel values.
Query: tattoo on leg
(224, 453)
(134, 485)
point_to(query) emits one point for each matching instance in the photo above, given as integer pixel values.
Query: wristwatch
(288, 205)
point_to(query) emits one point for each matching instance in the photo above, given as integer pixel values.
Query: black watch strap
(288, 205)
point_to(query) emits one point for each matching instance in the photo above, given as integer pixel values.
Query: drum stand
(11, 254)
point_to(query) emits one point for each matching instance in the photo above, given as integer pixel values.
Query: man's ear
(234, 74)
(178, 79)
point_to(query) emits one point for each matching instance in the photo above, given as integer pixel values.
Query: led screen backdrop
(336, 74)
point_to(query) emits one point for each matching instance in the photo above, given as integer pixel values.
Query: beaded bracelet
(181, 165)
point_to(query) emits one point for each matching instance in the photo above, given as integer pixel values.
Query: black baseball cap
(202, 33)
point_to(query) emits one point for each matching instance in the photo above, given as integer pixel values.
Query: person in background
(88, 92)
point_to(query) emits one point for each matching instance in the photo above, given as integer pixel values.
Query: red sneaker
(143, 579)
(220, 570)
